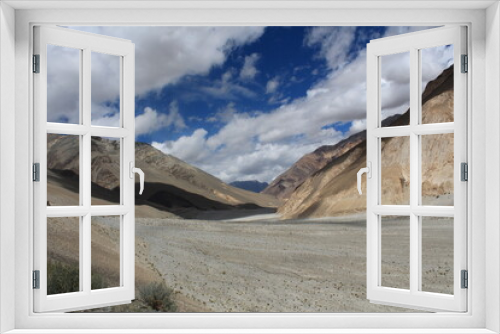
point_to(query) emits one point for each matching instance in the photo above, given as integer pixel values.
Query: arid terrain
(286, 266)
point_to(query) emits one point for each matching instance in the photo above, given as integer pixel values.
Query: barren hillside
(172, 187)
(331, 190)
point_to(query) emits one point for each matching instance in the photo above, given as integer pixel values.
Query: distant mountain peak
(250, 185)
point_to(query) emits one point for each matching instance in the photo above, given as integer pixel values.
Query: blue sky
(242, 103)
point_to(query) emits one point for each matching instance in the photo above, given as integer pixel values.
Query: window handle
(141, 175)
(368, 171)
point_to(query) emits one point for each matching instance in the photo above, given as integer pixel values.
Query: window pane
(437, 84)
(105, 252)
(395, 171)
(63, 84)
(63, 170)
(437, 254)
(395, 252)
(437, 169)
(105, 90)
(63, 255)
(105, 171)
(395, 89)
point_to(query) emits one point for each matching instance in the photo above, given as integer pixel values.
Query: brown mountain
(331, 189)
(171, 185)
(285, 184)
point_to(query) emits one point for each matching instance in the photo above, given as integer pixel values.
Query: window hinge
(36, 63)
(464, 171)
(465, 64)
(465, 279)
(36, 172)
(36, 279)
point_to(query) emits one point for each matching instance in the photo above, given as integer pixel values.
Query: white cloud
(357, 125)
(249, 69)
(334, 43)
(188, 148)
(433, 60)
(63, 86)
(224, 115)
(272, 85)
(226, 89)
(107, 116)
(151, 121)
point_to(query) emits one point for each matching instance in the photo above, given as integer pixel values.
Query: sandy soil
(278, 266)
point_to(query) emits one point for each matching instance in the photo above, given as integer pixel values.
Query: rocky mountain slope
(286, 183)
(330, 189)
(171, 185)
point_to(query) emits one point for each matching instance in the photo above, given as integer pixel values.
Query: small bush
(97, 282)
(158, 296)
(62, 278)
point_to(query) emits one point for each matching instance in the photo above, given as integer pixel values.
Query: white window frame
(124, 51)
(414, 296)
(483, 21)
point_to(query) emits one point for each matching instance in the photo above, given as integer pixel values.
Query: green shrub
(62, 278)
(158, 296)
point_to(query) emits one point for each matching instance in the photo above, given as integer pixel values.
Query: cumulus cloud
(249, 69)
(151, 121)
(433, 61)
(163, 56)
(334, 43)
(188, 148)
(357, 125)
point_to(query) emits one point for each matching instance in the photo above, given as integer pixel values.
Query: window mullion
(86, 171)
(414, 171)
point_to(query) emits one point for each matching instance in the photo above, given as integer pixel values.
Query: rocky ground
(282, 266)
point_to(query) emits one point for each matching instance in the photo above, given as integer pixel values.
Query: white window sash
(414, 297)
(86, 297)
